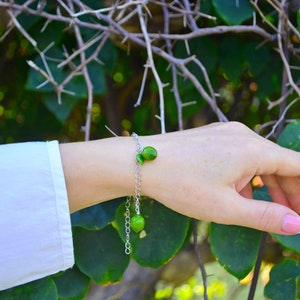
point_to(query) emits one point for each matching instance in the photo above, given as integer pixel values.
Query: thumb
(265, 216)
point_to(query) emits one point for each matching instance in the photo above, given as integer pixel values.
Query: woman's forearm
(204, 173)
(98, 171)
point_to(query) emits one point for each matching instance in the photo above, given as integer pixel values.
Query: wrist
(98, 171)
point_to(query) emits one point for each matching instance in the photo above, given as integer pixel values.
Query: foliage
(70, 68)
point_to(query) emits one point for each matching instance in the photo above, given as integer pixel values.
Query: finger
(291, 188)
(284, 190)
(246, 192)
(277, 160)
(275, 190)
(263, 215)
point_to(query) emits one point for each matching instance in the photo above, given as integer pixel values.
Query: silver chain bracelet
(136, 222)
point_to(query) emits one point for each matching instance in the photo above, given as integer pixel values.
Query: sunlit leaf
(36, 290)
(235, 247)
(282, 284)
(290, 136)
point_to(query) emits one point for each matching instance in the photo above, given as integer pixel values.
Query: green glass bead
(140, 158)
(149, 153)
(132, 208)
(137, 223)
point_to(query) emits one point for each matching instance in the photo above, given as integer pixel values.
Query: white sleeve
(35, 229)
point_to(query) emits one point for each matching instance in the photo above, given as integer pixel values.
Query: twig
(199, 259)
(283, 38)
(111, 24)
(222, 29)
(142, 87)
(84, 47)
(282, 116)
(270, 123)
(86, 75)
(175, 88)
(257, 266)
(189, 15)
(279, 7)
(151, 65)
(284, 58)
(108, 9)
(22, 30)
(254, 3)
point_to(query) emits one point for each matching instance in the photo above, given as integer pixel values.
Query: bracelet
(137, 221)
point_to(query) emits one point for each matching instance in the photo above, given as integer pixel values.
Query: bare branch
(112, 20)
(151, 65)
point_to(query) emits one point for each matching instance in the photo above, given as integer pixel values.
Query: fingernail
(291, 224)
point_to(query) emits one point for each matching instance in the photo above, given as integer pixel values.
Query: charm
(148, 153)
(137, 223)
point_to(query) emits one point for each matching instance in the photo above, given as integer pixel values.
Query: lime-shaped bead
(140, 158)
(149, 153)
(137, 223)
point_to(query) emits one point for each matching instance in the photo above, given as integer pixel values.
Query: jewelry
(137, 221)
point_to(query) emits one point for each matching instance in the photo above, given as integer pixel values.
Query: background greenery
(250, 61)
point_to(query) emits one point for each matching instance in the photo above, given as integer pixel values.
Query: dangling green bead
(137, 223)
(149, 153)
(140, 158)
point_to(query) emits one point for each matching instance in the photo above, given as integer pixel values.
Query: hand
(205, 173)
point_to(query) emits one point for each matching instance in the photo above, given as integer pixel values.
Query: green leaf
(282, 284)
(290, 136)
(298, 20)
(269, 80)
(109, 55)
(164, 234)
(72, 284)
(97, 216)
(256, 58)
(291, 242)
(63, 110)
(36, 290)
(235, 247)
(234, 12)
(100, 254)
(35, 79)
(97, 77)
(77, 86)
(205, 50)
(231, 49)
(54, 32)
(262, 194)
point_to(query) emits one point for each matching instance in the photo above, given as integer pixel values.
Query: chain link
(137, 196)
(127, 226)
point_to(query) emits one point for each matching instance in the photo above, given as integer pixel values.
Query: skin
(203, 173)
